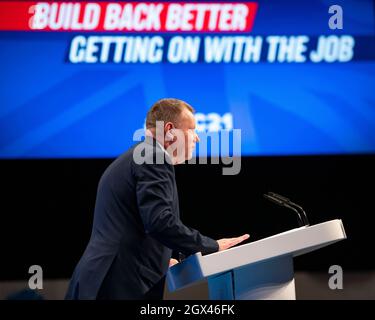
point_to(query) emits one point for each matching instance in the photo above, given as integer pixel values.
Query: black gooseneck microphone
(285, 202)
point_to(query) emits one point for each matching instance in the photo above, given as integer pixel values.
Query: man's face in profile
(186, 136)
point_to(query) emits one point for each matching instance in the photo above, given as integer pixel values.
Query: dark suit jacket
(136, 226)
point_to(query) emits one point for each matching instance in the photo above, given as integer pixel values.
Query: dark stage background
(47, 207)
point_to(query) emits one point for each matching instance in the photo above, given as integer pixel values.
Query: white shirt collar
(162, 148)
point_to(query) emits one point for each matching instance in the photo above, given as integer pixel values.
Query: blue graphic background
(50, 108)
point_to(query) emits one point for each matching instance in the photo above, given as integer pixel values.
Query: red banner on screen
(127, 16)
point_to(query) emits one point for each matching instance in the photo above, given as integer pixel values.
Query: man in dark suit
(136, 219)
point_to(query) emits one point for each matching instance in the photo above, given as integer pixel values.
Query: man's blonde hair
(167, 110)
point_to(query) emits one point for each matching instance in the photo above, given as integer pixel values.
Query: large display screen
(295, 77)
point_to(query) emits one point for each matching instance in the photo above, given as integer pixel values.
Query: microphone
(304, 216)
(285, 202)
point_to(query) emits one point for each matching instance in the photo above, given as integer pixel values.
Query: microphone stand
(285, 202)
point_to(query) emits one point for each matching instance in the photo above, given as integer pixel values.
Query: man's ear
(169, 136)
(168, 126)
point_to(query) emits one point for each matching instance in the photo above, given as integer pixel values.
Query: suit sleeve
(155, 190)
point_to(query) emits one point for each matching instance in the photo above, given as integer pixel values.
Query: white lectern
(261, 269)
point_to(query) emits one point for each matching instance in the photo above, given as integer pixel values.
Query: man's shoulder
(122, 162)
(140, 157)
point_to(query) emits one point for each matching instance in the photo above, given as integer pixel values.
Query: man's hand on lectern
(172, 262)
(230, 242)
